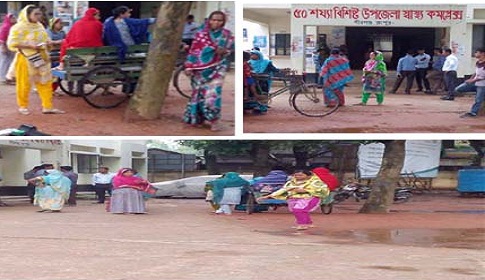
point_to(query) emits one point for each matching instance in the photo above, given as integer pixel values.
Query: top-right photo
(364, 68)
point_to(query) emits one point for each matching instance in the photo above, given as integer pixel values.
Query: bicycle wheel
(311, 103)
(181, 82)
(111, 86)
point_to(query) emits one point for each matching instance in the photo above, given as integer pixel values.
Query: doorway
(397, 41)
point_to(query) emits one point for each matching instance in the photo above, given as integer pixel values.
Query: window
(87, 164)
(478, 38)
(282, 44)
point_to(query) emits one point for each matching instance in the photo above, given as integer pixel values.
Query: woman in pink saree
(128, 192)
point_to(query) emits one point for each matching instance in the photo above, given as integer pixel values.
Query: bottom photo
(241, 209)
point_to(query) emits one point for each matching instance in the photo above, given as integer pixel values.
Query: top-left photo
(83, 68)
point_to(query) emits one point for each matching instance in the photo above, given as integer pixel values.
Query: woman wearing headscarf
(226, 191)
(261, 65)
(56, 35)
(85, 33)
(6, 56)
(30, 40)
(55, 32)
(335, 73)
(374, 78)
(303, 194)
(128, 192)
(122, 31)
(207, 64)
(52, 190)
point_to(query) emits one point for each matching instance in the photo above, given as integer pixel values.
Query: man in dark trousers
(102, 183)
(67, 171)
(406, 68)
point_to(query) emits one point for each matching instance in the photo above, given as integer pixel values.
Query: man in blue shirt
(406, 68)
(421, 70)
(435, 76)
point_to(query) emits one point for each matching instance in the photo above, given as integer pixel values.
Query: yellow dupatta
(314, 187)
(26, 32)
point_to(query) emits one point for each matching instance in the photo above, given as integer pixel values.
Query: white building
(296, 30)
(18, 156)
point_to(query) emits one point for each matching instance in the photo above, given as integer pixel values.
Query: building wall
(21, 155)
(452, 33)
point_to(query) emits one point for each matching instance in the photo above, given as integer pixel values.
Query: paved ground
(415, 113)
(431, 237)
(84, 120)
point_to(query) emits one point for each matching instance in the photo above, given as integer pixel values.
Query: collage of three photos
(281, 111)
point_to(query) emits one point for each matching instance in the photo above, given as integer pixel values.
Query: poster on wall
(297, 46)
(260, 41)
(69, 11)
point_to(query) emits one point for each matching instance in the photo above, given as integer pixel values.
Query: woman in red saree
(86, 32)
(128, 190)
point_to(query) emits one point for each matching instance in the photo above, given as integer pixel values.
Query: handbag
(35, 60)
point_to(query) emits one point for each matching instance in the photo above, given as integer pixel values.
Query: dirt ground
(400, 113)
(433, 236)
(83, 120)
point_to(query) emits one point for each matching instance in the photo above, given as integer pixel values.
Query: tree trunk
(301, 156)
(153, 84)
(211, 163)
(382, 194)
(259, 154)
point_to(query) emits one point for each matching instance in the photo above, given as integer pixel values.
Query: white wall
(255, 29)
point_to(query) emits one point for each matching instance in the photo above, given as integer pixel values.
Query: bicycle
(304, 97)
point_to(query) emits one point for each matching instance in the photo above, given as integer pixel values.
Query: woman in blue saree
(52, 191)
(207, 65)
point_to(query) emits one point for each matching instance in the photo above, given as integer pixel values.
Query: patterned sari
(208, 72)
(335, 73)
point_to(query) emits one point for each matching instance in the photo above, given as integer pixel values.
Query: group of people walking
(51, 189)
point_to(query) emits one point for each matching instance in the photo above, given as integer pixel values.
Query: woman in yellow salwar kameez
(303, 194)
(28, 38)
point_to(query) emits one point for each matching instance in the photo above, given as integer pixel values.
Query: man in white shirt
(421, 70)
(475, 83)
(102, 183)
(449, 69)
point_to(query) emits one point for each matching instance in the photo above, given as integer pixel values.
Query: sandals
(24, 111)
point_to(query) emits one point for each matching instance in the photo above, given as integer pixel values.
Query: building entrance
(393, 42)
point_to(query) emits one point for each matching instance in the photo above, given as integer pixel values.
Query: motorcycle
(360, 192)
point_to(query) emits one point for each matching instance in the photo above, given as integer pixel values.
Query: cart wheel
(106, 87)
(250, 204)
(326, 208)
(71, 88)
(181, 82)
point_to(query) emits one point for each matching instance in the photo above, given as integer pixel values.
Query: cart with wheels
(100, 76)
